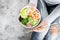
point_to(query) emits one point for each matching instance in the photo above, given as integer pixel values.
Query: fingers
(31, 4)
(54, 29)
(34, 2)
(53, 32)
(40, 27)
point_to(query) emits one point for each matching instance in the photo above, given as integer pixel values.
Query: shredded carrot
(33, 14)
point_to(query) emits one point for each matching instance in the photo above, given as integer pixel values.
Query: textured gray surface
(10, 28)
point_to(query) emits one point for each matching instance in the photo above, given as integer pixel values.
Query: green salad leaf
(24, 21)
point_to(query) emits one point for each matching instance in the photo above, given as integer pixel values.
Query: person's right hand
(41, 27)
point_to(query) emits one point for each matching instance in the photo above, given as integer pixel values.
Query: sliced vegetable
(29, 18)
(23, 13)
(33, 22)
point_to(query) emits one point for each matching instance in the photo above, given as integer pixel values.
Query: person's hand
(41, 27)
(54, 29)
(31, 5)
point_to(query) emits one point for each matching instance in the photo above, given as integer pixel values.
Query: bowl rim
(39, 12)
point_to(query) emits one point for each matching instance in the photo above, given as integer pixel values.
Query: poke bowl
(30, 17)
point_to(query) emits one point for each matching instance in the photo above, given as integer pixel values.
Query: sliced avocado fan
(23, 13)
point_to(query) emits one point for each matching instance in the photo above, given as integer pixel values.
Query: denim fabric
(35, 36)
(56, 37)
(41, 7)
(38, 36)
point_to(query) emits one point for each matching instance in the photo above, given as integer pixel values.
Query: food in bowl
(29, 16)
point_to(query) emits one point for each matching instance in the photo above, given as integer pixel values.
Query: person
(53, 32)
(41, 30)
(45, 26)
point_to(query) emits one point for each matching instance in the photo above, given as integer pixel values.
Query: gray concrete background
(10, 28)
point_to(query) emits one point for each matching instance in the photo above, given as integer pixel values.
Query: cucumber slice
(33, 22)
(23, 13)
(29, 18)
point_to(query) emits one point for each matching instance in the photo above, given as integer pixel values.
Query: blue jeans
(36, 35)
(39, 35)
(41, 7)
